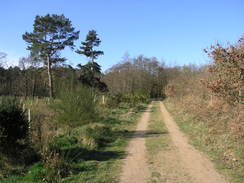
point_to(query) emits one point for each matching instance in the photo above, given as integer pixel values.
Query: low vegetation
(14, 125)
(89, 152)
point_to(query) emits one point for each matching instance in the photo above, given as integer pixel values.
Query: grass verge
(106, 169)
(221, 148)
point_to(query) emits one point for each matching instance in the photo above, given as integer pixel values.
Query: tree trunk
(33, 86)
(26, 86)
(50, 79)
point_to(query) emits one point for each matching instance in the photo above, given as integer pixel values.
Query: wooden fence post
(211, 99)
(29, 117)
(103, 99)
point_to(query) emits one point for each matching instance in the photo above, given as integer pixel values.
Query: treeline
(140, 75)
(32, 81)
(134, 76)
(223, 79)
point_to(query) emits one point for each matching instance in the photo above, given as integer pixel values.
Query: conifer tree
(90, 73)
(51, 34)
(87, 47)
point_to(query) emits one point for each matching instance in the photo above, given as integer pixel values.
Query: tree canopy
(87, 47)
(51, 34)
(90, 73)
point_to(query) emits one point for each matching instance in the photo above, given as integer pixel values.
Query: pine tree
(90, 73)
(51, 34)
(88, 45)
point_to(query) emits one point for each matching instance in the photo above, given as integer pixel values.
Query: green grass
(98, 165)
(157, 141)
(106, 167)
(222, 148)
(159, 138)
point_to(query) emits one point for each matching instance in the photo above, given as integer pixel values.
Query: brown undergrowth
(214, 127)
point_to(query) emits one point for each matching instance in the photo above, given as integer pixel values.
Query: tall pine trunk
(26, 85)
(50, 79)
(33, 86)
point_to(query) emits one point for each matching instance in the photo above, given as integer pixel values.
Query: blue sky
(176, 31)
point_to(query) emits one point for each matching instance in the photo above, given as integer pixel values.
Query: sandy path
(199, 167)
(163, 156)
(135, 168)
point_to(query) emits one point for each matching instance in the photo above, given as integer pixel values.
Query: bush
(56, 167)
(114, 100)
(76, 107)
(13, 122)
(131, 99)
(94, 135)
(227, 72)
(61, 142)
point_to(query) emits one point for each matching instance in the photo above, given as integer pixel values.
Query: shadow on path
(144, 133)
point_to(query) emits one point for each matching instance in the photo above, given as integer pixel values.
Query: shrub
(114, 100)
(55, 166)
(76, 107)
(61, 142)
(169, 90)
(131, 99)
(13, 122)
(36, 172)
(227, 71)
(54, 163)
(94, 135)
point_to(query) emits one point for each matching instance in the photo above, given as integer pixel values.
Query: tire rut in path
(199, 167)
(135, 169)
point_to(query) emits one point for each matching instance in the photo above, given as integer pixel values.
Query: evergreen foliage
(75, 107)
(90, 73)
(13, 122)
(88, 45)
(51, 34)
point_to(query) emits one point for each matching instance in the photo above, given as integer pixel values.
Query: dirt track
(197, 166)
(135, 168)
